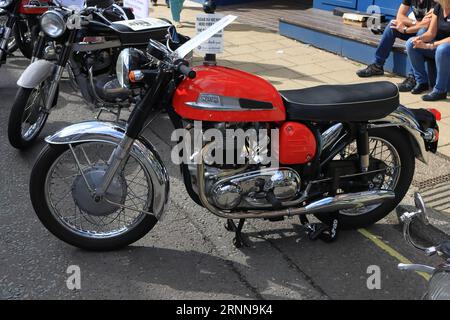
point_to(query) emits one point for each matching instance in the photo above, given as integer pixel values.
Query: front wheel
(64, 203)
(28, 116)
(389, 147)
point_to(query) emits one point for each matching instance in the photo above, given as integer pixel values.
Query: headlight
(53, 23)
(129, 59)
(123, 68)
(439, 285)
(5, 3)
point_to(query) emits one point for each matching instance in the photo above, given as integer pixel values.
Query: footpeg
(320, 231)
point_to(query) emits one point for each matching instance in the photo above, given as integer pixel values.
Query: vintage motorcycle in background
(19, 26)
(11, 44)
(439, 283)
(346, 152)
(87, 44)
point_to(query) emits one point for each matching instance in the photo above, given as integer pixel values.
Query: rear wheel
(64, 204)
(391, 147)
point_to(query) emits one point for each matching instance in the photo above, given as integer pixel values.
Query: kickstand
(238, 240)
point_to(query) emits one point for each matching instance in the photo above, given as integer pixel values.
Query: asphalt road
(188, 255)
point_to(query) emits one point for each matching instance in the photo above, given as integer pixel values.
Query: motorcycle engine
(249, 185)
(106, 85)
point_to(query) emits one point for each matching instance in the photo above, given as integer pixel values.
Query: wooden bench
(324, 30)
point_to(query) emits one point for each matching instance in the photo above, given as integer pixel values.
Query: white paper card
(182, 51)
(215, 44)
(144, 24)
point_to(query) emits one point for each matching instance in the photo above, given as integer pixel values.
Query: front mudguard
(36, 73)
(112, 132)
(405, 119)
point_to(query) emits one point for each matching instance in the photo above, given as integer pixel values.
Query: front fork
(7, 31)
(60, 66)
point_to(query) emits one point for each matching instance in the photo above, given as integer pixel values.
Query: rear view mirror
(421, 210)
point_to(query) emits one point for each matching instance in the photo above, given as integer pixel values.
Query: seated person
(404, 28)
(433, 44)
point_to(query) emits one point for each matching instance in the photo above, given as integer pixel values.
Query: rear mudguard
(111, 132)
(406, 120)
(35, 73)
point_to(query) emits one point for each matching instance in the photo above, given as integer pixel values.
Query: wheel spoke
(62, 181)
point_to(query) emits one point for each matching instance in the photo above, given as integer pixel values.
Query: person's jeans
(441, 55)
(175, 7)
(387, 42)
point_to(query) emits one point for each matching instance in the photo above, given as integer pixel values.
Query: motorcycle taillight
(436, 113)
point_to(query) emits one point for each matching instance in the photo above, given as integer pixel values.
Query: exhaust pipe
(329, 204)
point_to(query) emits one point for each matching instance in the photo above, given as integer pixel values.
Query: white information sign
(140, 7)
(215, 44)
(144, 24)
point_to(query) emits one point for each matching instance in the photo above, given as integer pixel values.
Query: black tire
(400, 141)
(46, 158)
(20, 33)
(15, 136)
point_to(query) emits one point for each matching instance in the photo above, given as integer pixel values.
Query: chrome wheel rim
(61, 202)
(383, 150)
(34, 115)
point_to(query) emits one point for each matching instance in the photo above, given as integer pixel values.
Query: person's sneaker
(408, 84)
(370, 71)
(435, 96)
(420, 88)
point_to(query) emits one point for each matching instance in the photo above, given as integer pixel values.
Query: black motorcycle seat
(355, 102)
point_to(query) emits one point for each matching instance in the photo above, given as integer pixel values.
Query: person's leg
(417, 58)
(443, 67)
(175, 8)
(382, 52)
(410, 81)
(387, 42)
(419, 33)
(442, 58)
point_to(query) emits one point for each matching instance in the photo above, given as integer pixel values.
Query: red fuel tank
(229, 95)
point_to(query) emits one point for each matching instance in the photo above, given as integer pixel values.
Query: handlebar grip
(187, 71)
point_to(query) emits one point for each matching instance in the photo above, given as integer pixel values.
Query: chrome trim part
(325, 205)
(54, 87)
(403, 118)
(83, 46)
(111, 132)
(4, 41)
(35, 73)
(416, 267)
(330, 135)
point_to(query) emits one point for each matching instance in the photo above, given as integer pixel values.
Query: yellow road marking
(391, 251)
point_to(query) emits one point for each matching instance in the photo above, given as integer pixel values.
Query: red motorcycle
(21, 25)
(345, 153)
